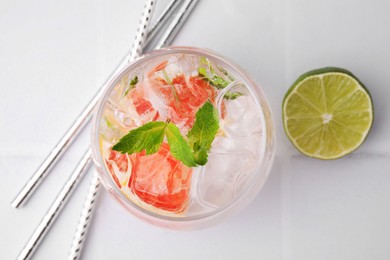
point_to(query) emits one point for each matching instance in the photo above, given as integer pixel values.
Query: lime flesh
(327, 113)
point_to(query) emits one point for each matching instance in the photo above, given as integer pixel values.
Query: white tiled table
(54, 55)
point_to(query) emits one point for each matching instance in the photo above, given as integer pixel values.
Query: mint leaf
(213, 78)
(203, 132)
(147, 137)
(134, 81)
(179, 146)
(232, 95)
(132, 84)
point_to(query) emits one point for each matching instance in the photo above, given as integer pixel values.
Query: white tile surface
(55, 54)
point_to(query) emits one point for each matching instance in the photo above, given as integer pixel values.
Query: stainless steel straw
(178, 21)
(140, 37)
(165, 14)
(56, 153)
(90, 202)
(85, 219)
(55, 208)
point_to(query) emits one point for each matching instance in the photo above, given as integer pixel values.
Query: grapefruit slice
(161, 180)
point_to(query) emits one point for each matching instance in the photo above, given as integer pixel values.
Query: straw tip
(16, 203)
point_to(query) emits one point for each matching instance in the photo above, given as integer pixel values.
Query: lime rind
(328, 130)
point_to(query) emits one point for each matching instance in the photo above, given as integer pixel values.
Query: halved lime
(327, 113)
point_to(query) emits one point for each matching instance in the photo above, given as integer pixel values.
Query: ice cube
(223, 178)
(240, 116)
(157, 99)
(188, 64)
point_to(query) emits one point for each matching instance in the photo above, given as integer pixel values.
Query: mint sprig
(147, 137)
(192, 153)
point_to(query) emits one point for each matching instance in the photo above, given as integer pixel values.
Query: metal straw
(55, 208)
(178, 21)
(140, 37)
(85, 219)
(165, 14)
(56, 153)
(62, 145)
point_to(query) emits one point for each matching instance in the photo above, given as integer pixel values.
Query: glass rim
(254, 89)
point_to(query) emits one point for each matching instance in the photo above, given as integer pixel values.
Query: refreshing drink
(183, 137)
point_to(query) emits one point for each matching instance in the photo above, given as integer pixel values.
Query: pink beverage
(171, 86)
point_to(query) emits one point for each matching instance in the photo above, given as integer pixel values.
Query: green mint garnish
(209, 74)
(213, 78)
(132, 84)
(232, 95)
(147, 137)
(179, 146)
(134, 81)
(203, 132)
(192, 152)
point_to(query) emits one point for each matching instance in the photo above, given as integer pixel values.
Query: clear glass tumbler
(156, 87)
